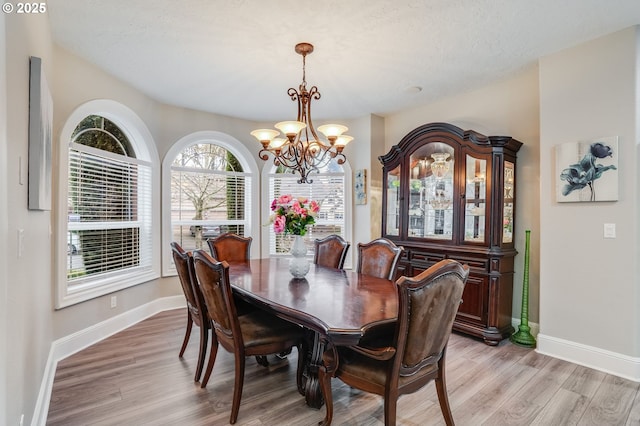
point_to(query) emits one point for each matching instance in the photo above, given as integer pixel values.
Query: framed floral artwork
(360, 186)
(587, 171)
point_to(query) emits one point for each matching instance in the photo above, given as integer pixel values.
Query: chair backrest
(427, 306)
(379, 258)
(331, 251)
(186, 273)
(230, 247)
(213, 281)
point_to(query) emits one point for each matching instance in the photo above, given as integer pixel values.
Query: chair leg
(187, 333)
(237, 388)
(212, 359)
(283, 354)
(443, 398)
(262, 360)
(325, 387)
(390, 405)
(204, 339)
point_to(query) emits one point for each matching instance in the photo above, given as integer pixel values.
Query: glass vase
(299, 263)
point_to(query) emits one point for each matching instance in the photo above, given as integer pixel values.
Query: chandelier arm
(318, 160)
(312, 94)
(293, 94)
(297, 97)
(295, 161)
(290, 158)
(312, 162)
(264, 154)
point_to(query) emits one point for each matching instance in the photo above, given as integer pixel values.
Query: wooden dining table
(336, 306)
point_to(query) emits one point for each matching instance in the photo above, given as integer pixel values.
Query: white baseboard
(68, 345)
(599, 359)
(588, 356)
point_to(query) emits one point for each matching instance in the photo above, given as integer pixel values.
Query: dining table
(336, 307)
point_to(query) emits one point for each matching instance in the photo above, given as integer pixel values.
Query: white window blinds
(109, 215)
(207, 203)
(327, 189)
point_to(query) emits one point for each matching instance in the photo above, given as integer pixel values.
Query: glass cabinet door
(431, 192)
(507, 212)
(393, 202)
(476, 199)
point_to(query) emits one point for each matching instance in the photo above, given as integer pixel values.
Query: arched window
(209, 185)
(330, 188)
(109, 204)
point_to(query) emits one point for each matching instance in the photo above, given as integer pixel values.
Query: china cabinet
(450, 193)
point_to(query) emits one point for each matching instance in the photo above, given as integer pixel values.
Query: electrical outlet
(114, 301)
(609, 230)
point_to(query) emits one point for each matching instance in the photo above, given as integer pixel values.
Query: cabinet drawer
(423, 257)
(473, 262)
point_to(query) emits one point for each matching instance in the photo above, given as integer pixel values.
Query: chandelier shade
(302, 150)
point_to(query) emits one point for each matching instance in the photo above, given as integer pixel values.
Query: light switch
(20, 242)
(20, 172)
(609, 230)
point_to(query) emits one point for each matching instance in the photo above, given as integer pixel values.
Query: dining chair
(331, 251)
(414, 353)
(196, 308)
(379, 258)
(230, 247)
(257, 333)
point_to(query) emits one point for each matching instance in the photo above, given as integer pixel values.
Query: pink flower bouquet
(293, 215)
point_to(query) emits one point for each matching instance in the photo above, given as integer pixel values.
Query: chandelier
(302, 150)
(440, 166)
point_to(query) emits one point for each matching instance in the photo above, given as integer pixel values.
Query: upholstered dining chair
(257, 333)
(414, 354)
(230, 247)
(196, 308)
(331, 251)
(379, 258)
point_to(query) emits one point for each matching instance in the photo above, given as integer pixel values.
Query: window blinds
(327, 189)
(109, 214)
(206, 203)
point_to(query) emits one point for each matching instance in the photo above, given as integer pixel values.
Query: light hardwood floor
(136, 378)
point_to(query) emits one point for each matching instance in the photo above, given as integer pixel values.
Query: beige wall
(4, 223)
(362, 153)
(589, 293)
(28, 290)
(505, 108)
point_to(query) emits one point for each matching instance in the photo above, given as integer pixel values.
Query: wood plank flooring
(136, 378)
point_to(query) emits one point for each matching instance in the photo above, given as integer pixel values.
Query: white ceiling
(236, 57)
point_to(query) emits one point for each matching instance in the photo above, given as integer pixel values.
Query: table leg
(313, 361)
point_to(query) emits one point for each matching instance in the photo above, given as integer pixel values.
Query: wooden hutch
(450, 193)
